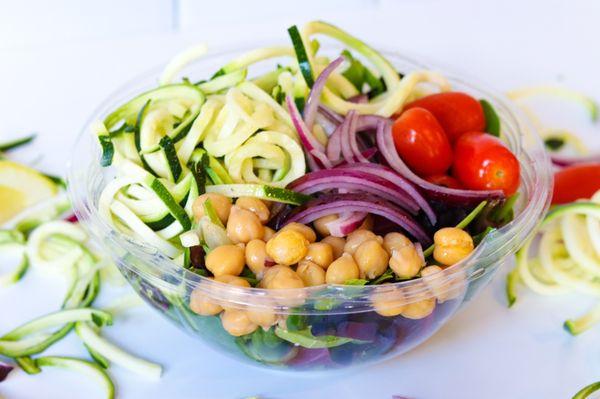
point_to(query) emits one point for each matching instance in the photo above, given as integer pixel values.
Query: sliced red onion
(357, 330)
(317, 158)
(313, 100)
(5, 370)
(358, 184)
(333, 116)
(348, 175)
(390, 175)
(312, 357)
(336, 203)
(309, 141)
(359, 99)
(334, 146)
(345, 224)
(346, 139)
(313, 165)
(350, 147)
(269, 262)
(368, 154)
(322, 158)
(327, 125)
(385, 143)
(564, 161)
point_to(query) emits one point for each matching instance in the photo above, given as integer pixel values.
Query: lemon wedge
(20, 188)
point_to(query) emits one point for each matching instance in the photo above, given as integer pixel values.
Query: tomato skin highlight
(456, 112)
(444, 181)
(576, 182)
(421, 142)
(483, 162)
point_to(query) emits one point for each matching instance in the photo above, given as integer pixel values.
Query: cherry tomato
(421, 142)
(483, 162)
(457, 112)
(576, 182)
(444, 181)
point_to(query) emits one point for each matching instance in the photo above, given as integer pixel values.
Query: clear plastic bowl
(329, 310)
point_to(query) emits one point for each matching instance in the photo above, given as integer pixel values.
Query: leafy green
(504, 213)
(264, 346)
(359, 75)
(479, 237)
(356, 281)
(492, 121)
(306, 339)
(249, 276)
(325, 303)
(296, 322)
(387, 275)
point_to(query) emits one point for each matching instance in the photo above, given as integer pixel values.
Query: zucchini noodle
(170, 144)
(568, 257)
(398, 90)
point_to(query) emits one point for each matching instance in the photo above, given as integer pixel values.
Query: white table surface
(486, 351)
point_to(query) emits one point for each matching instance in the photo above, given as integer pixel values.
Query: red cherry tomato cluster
(441, 138)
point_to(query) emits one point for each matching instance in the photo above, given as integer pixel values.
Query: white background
(59, 59)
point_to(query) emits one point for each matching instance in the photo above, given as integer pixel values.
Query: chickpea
(269, 233)
(389, 303)
(200, 304)
(244, 226)
(371, 258)
(311, 273)
(451, 245)
(320, 253)
(221, 203)
(237, 323)
(287, 247)
(357, 237)
(393, 241)
(256, 254)
(341, 270)
(419, 309)
(406, 261)
(262, 317)
(232, 280)
(443, 289)
(303, 229)
(321, 224)
(281, 277)
(225, 259)
(337, 245)
(254, 205)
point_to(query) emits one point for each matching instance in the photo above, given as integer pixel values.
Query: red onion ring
(345, 224)
(312, 102)
(336, 203)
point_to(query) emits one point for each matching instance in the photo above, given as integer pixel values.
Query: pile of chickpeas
(293, 257)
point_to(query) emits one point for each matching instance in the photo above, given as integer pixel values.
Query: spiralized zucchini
(567, 260)
(171, 143)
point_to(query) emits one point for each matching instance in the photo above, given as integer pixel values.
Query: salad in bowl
(308, 206)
